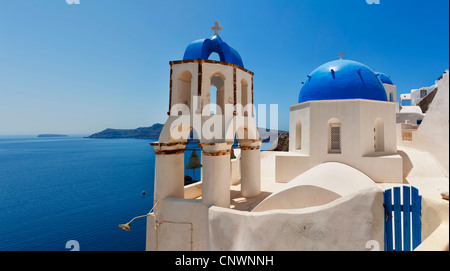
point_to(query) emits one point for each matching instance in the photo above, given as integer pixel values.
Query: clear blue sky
(79, 69)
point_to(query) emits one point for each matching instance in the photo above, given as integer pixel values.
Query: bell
(194, 161)
(232, 156)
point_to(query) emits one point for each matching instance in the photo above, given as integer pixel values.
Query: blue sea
(54, 190)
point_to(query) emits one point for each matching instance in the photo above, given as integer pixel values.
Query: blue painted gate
(409, 212)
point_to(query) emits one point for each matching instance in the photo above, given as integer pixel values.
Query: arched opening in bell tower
(244, 95)
(192, 159)
(334, 136)
(214, 56)
(217, 94)
(184, 88)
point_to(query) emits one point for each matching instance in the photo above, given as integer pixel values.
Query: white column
(250, 167)
(169, 182)
(169, 171)
(216, 174)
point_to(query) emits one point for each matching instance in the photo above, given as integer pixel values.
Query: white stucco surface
(317, 186)
(433, 133)
(347, 223)
(411, 109)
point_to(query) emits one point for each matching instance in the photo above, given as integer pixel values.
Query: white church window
(378, 135)
(334, 128)
(298, 135)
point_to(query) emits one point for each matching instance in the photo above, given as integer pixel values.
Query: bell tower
(215, 99)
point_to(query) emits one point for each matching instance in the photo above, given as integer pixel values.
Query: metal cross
(216, 28)
(340, 55)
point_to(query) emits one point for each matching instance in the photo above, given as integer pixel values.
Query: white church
(325, 193)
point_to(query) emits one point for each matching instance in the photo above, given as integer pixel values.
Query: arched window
(184, 88)
(298, 135)
(334, 136)
(244, 92)
(244, 95)
(378, 135)
(217, 95)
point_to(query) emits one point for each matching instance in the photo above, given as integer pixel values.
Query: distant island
(52, 135)
(153, 132)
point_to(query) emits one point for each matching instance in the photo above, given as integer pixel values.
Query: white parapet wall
(318, 186)
(289, 165)
(435, 229)
(348, 223)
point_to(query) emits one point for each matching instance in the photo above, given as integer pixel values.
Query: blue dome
(384, 78)
(342, 79)
(204, 47)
